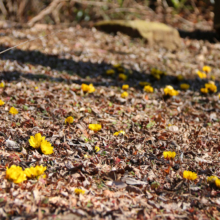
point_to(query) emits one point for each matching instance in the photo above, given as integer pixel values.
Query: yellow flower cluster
(1, 102)
(122, 76)
(207, 69)
(79, 191)
(212, 179)
(201, 75)
(157, 73)
(169, 154)
(189, 175)
(209, 87)
(88, 88)
(125, 87)
(149, 89)
(13, 111)
(124, 95)
(15, 174)
(69, 120)
(95, 127)
(118, 132)
(184, 86)
(170, 91)
(110, 72)
(18, 175)
(39, 142)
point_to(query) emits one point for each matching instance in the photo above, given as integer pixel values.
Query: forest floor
(120, 177)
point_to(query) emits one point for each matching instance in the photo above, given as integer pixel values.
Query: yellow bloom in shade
(204, 90)
(124, 95)
(1, 102)
(211, 86)
(69, 120)
(88, 88)
(121, 69)
(79, 191)
(2, 85)
(118, 132)
(15, 174)
(184, 86)
(110, 72)
(211, 179)
(180, 77)
(217, 182)
(144, 84)
(13, 111)
(95, 127)
(46, 147)
(169, 154)
(33, 172)
(125, 87)
(149, 89)
(97, 149)
(207, 69)
(189, 175)
(122, 76)
(201, 75)
(35, 141)
(169, 90)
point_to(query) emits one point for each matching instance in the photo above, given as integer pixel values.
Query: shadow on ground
(84, 72)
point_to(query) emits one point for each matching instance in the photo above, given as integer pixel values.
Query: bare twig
(2, 7)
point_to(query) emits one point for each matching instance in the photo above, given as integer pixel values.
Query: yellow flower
(180, 77)
(211, 179)
(169, 90)
(149, 89)
(69, 120)
(46, 147)
(169, 154)
(217, 182)
(184, 86)
(97, 149)
(88, 88)
(36, 88)
(207, 69)
(15, 174)
(156, 76)
(33, 172)
(204, 90)
(211, 86)
(1, 102)
(2, 85)
(124, 95)
(110, 72)
(122, 76)
(35, 141)
(85, 156)
(95, 127)
(189, 175)
(144, 84)
(118, 132)
(13, 111)
(79, 191)
(125, 87)
(201, 75)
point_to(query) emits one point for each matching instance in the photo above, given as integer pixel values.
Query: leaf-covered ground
(128, 178)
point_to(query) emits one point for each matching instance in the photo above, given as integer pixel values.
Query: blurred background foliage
(88, 11)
